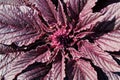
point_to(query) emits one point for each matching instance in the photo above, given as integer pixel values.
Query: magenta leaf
(98, 56)
(17, 25)
(80, 70)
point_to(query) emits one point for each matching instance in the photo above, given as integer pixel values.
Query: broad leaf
(17, 25)
(88, 22)
(87, 7)
(75, 54)
(92, 20)
(76, 7)
(57, 71)
(6, 49)
(112, 76)
(47, 10)
(36, 71)
(111, 40)
(80, 70)
(13, 64)
(12, 2)
(98, 56)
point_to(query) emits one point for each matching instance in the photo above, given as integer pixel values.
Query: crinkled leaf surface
(80, 70)
(35, 71)
(19, 25)
(13, 2)
(111, 40)
(13, 64)
(47, 10)
(57, 71)
(77, 6)
(61, 15)
(111, 75)
(75, 40)
(98, 56)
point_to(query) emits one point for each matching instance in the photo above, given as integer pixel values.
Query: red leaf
(82, 7)
(87, 7)
(57, 71)
(75, 54)
(98, 56)
(47, 9)
(14, 63)
(81, 70)
(111, 40)
(61, 15)
(17, 25)
(12, 2)
(112, 76)
(91, 20)
(88, 22)
(36, 72)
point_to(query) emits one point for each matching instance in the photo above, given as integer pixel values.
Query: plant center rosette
(59, 40)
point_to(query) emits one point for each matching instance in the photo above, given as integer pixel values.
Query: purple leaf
(17, 25)
(13, 64)
(75, 54)
(80, 70)
(112, 76)
(77, 6)
(98, 56)
(47, 10)
(43, 41)
(88, 22)
(13, 2)
(34, 72)
(87, 8)
(110, 41)
(61, 15)
(57, 71)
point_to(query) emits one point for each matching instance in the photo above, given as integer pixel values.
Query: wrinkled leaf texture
(23, 25)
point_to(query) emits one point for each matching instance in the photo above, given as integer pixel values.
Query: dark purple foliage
(59, 40)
